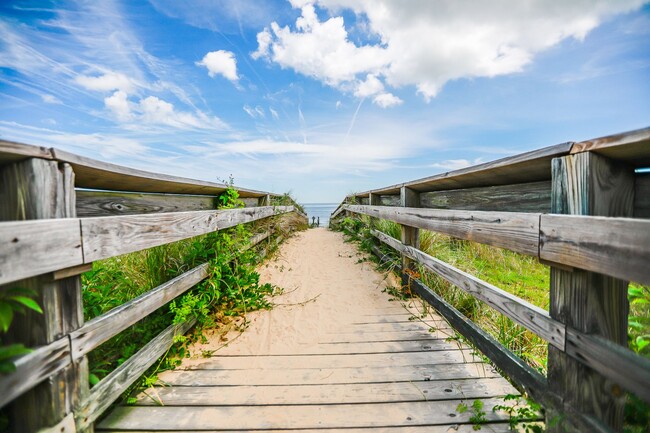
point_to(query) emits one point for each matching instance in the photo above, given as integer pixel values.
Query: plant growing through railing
(522, 414)
(14, 300)
(477, 417)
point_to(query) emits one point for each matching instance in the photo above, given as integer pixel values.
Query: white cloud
(106, 82)
(426, 44)
(118, 104)
(274, 113)
(220, 63)
(385, 100)
(370, 87)
(456, 164)
(50, 99)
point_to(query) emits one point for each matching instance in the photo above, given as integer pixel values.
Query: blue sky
(321, 98)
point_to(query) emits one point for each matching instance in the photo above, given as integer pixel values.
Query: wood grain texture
(94, 174)
(331, 375)
(104, 327)
(619, 247)
(518, 232)
(589, 302)
(531, 166)
(409, 235)
(341, 361)
(11, 151)
(105, 237)
(105, 203)
(328, 394)
(520, 311)
(454, 428)
(36, 247)
(299, 417)
(624, 368)
(40, 189)
(33, 368)
(532, 197)
(642, 196)
(112, 386)
(632, 147)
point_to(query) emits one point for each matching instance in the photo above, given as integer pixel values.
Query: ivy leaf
(6, 316)
(27, 302)
(12, 350)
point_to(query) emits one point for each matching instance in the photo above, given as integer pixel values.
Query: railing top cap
(632, 147)
(93, 174)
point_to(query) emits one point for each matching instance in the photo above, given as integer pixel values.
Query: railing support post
(588, 184)
(38, 189)
(410, 235)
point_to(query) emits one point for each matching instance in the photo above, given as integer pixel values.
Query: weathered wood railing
(581, 208)
(81, 211)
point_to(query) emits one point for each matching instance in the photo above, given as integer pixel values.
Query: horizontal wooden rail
(33, 368)
(512, 230)
(619, 247)
(45, 361)
(29, 245)
(104, 237)
(102, 328)
(112, 386)
(36, 247)
(520, 311)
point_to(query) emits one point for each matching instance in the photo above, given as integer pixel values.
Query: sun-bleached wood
(112, 386)
(104, 327)
(590, 302)
(632, 147)
(512, 230)
(522, 312)
(105, 203)
(33, 368)
(104, 237)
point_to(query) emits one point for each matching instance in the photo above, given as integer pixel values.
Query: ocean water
(322, 210)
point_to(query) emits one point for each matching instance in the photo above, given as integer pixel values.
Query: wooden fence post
(588, 184)
(410, 235)
(38, 189)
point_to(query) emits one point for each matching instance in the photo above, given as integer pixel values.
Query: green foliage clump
(14, 300)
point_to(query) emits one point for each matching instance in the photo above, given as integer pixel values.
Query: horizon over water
(320, 210)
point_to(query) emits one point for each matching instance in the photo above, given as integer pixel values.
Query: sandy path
(327, 287)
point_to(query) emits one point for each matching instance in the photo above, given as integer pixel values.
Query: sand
(328, 285)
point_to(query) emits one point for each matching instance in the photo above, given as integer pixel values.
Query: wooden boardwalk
(375, 370)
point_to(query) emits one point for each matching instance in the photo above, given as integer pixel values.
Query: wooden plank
(33, 368)
(619, 247)
(105, 203)
(295, 417)
(105, 237)
(619, 364)
(513, 366)
(525, 167)
(112, 386)
(94, 174)
(389, 200)
(377, 329)
(11, 151)
(326, 394)
(524, 197)
(515, 231)
(256, 239)
(66, 425)
(104, 327)
(632, 147)
(329, 375)
(71, 272)
(642, 195)
(589, 184)
(520, 311)
(341, 361)
(392, 336)
(409, 235)
(454, 428)
(36, 247)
